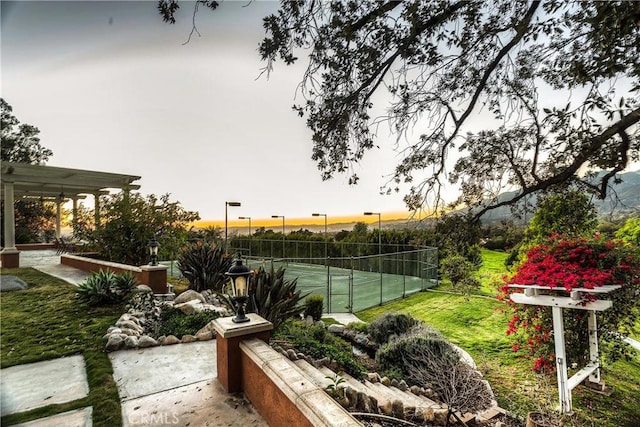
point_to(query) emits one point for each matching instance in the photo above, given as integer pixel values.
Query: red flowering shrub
(571, 264)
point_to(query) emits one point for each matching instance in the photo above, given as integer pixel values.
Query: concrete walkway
(168, 385)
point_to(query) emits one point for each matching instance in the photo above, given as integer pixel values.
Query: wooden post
(594, 356)
(564, 393)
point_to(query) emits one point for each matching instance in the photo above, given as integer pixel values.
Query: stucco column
(229, 335)
(58, 217)
(9, 216)
(10, 256)
(74, 220)
(96, 209)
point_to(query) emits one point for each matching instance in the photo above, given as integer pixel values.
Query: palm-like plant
(106, 287)
(273, 297)
(204, 265)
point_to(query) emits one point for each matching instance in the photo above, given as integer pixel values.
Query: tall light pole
(248, 218)
(281, 216)
(325, 235)
(226, 221)
(379, 247)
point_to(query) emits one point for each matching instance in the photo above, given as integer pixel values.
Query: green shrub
(394, 357)
(358, 327)
(106, 287)
(273, 297)
(314, 306)
(390, 324)
(317, 342)
(175, 322)
(204, 265)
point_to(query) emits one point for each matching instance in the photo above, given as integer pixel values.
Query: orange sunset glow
(275, 223)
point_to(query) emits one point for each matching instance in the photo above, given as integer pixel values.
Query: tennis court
(356, 283)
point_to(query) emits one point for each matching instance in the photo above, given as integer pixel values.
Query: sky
(112, 88)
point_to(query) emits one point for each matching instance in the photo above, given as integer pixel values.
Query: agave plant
(204, 265)
(273, 297)
(106, 287)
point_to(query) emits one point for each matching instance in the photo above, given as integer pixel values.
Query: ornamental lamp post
(226, 221)
(153, 251)
(239, 275)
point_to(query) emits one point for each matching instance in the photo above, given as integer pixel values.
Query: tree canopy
(34, 220)
(531, 94)
(20, 142)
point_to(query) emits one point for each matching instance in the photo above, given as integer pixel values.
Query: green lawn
(46, 321)
(477, 325)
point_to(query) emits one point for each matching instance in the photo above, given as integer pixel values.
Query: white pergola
(22, 181)
(531, 296)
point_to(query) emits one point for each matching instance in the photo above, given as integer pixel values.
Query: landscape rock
(291, 354)
(402, 385)
(12, 283)
(170, 340)
(336, 329)
(397, 408)
(188, 338)
(373, 377)
(143, 289)
(131, 342)
(385, 381)
(189, 295)
(114, 343)
(325, 361)
(128, 324)
(130, 332)
(320, 323)
(207, 328)
(146, 341)
(309, 320)
(204, 335)
(190, 307)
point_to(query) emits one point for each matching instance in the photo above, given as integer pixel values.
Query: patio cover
(48, 182)
(27, 181)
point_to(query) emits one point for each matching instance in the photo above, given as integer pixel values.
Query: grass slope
(477, 325)
(45, 322)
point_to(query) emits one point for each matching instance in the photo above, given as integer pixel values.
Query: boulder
(11, 283)
(291, 354)
(128, 324)
(188, 338)
(143, 289)
(131, 342)
(204, 335)
(170, 340)
(189, 295)
(114, 343)
(373, 377)
(146, 341)
(320, 323)
(190, 307)
(336, 329)
(385, 381)
(207, 328)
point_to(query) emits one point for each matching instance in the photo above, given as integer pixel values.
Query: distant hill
(622, 200)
